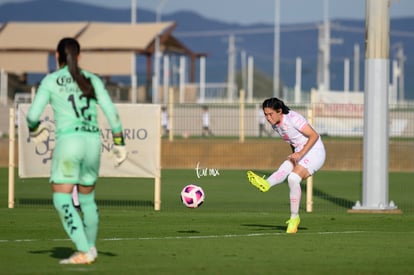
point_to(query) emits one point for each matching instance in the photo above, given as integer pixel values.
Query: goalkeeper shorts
(76, 159)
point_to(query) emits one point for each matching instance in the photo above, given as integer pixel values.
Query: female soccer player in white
(74, 94)
(307, 157)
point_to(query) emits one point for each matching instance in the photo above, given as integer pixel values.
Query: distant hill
(201, 34)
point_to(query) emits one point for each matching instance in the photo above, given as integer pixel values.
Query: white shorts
(314, 159)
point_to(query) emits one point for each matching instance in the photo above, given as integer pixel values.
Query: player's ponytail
(276, 104)
(68, 50)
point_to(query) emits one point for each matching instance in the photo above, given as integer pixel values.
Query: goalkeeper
(74, 95)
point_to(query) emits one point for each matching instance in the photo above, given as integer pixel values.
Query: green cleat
(258, 182)
(293, 224)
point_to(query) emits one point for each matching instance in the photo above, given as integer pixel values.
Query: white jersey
(261, 117)
(206, 119)
(164, 119)
(290, 127)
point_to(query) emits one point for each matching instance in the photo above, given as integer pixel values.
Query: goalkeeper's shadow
(65, 252)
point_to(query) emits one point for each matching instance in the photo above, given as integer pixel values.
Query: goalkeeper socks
(90, 216)
(281, 174)
(71, 220)
(295, 193)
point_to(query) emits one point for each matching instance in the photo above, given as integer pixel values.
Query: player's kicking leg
(258, 182)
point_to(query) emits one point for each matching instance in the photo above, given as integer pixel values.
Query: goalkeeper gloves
(119, 151)
(40, 132)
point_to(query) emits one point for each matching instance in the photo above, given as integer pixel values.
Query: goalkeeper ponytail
(68, 51)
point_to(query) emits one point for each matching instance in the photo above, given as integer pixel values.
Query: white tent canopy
(21, 62)
(107, 63)
(107, 48)
(33, 36)
(118, 36)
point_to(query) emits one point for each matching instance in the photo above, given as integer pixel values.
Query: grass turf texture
(238, 230)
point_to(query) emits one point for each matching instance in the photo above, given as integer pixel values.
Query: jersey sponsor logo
(64, 80)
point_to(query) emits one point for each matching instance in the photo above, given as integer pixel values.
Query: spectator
(165, 123)
(206, 131)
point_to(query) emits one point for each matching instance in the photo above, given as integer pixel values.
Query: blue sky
(258, 11)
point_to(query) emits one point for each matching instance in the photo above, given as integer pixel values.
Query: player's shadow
(100, 202)
(55, 252)
(266, 227)
(188, 231)
(342, 202)
(66, 252)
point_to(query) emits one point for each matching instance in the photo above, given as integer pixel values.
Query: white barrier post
(171, 114)
(157, 194)
(3, 87)
(11, 158)
(241, 115)
(309, 180)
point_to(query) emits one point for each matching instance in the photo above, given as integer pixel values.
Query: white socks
(294, 194)
(280, 174)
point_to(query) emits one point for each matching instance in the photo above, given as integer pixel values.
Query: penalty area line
(196, 237)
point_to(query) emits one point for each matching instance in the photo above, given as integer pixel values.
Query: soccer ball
(192, 196)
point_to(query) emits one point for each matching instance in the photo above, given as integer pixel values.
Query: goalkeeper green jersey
(72, 111)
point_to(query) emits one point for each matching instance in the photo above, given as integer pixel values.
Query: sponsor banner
(338, 104)
(354, 127)
(339, 113)
(141, 126)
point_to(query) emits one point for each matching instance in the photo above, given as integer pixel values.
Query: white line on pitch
(223, 236)
(194, 237)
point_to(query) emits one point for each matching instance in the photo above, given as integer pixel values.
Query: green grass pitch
(238, 230)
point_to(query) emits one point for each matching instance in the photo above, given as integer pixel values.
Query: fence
(342, 133)
(341, 126)
(334, 120)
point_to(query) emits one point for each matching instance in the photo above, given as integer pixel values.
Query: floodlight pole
(133, 11)
(156, 77)
(327, 47)
(375, 145)
(133, 56)
(276, 51)
(356, 68)
(400, 57)
(231, 68)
